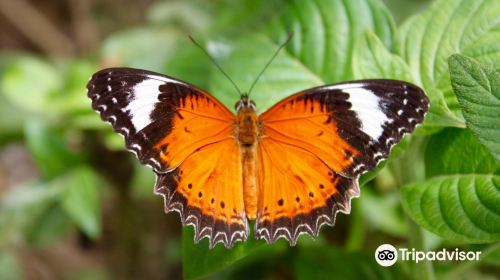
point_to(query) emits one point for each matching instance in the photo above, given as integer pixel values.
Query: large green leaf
(426, 41)
(232, 18)
(285, 76)
(326, 33)
(459, 207)
(458, 151)
(372, 60)
(477, 88)
(199, 261)
(320, 51)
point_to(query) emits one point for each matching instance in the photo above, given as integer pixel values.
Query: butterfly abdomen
(247, 130)
(248, 158)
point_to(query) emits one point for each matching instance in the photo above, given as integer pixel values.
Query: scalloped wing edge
(204, 225)
(340, 203)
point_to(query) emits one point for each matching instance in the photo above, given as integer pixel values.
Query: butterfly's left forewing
(162, 119)
(315, 145)
(187, 137)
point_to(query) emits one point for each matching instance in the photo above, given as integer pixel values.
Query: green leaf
(320, 51)
(189, 64)
(48, 149)
(402, 10)
(48, 224)
(439, 114)
(72, 99)
(460, 208)
(146, 48)
(372, 60)
(234, 18)
(326, 33)
(455, 151)
(24, 208)
(28, 83)
(477, 88)
(426, 41)
(34, 210)
(285, 76)
(328, 262)
(81, 200)
(199, 261)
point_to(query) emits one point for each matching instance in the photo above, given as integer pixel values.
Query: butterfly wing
(206, 190)
(187, 137)
(315, 144)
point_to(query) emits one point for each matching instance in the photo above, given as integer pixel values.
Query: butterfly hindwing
(206, 190)
(171, 125)
(298, 192)
(340, 131)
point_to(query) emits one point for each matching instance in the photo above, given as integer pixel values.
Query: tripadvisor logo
(387, 255)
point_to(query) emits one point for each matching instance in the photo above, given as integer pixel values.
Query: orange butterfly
(291, 169)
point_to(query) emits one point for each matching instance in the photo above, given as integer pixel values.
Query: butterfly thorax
(247, 131)
(247, 122)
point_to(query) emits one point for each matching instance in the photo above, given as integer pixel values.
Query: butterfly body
(291, 168)
(247, 133)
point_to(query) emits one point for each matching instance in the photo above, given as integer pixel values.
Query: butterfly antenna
(216, 64)
(271, 60)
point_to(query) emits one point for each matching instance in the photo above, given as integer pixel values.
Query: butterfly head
(245, 104)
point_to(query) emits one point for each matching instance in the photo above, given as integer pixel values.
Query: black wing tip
(405, 104)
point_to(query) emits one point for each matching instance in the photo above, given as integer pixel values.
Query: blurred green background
(75, 205)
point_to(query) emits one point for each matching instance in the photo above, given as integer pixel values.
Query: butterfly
(291, 168)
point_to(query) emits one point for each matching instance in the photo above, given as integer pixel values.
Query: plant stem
(424, 269)
(407, 173)
(357, 227)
